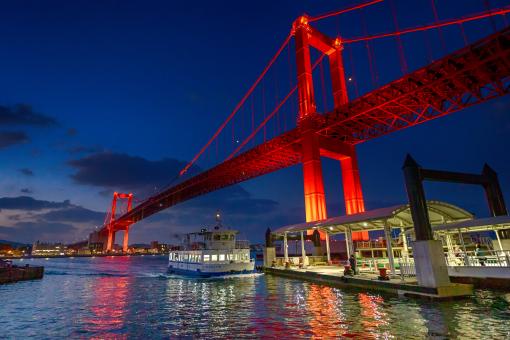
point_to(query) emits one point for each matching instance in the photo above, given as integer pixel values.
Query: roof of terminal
(479, 224)
(396, 216)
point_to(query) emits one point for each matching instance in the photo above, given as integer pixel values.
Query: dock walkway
(333, 276)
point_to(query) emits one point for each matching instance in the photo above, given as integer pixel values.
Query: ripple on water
(114, 298)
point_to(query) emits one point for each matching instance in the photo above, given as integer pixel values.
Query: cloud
(30, 203)
(26, 191)
(124, 172)
(73, 214)
(23, 114)
(26, 172)
(27, 219)
(10, 138)
(33, 231)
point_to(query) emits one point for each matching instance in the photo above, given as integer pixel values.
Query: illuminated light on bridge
(469, 76)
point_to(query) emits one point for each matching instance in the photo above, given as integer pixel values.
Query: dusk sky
(104, 96)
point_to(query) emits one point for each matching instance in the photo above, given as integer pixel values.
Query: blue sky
(118, 95)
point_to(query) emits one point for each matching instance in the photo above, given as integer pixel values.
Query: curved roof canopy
(396, 216)
(479, 224)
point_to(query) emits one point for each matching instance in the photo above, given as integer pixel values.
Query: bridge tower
(314, 146)
(113, 227)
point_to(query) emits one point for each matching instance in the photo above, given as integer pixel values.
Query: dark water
(132, 297)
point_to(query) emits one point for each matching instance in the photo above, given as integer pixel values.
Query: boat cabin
(214, 239)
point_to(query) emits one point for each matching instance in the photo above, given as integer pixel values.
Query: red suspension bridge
(256, 140)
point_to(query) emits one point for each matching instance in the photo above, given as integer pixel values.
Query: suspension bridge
(299, 108)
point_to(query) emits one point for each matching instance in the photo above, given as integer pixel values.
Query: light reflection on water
(132, 297)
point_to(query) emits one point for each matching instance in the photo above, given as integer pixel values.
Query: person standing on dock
(352, 263)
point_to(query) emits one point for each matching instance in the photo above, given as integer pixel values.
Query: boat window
(217, 237)
(225, 237)
(214, 257)
(222, 257)
(206, 258)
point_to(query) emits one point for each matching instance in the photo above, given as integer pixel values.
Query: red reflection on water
(279, 314)
(326, 320)
(371, 311)
(109, 302)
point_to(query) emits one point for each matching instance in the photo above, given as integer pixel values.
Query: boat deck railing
(242, 244)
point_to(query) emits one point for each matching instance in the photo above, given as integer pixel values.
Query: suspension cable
(238, 106)
(345, 10)
(263, 123)
(478, 16)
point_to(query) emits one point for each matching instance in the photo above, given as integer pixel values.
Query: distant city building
(48, 249)
(13, 250)
(95, 247)
(78, 248)
(140, 248)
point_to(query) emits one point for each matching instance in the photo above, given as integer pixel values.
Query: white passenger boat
(210, 253)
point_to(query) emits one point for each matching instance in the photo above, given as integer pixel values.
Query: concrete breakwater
(17, 273)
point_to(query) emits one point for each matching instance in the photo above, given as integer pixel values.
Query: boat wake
(168, 276)
(57, 272)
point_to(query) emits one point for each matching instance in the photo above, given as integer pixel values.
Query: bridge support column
(315, 201)
(126, 240)
(353, 195)
(111, 240)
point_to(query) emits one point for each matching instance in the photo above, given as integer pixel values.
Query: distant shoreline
(72, 256)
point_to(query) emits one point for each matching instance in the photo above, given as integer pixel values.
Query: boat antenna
(218, 220)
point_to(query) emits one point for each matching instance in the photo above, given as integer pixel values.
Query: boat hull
(190, 273)
(201, 270)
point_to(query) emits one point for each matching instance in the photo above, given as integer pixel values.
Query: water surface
(133, 297)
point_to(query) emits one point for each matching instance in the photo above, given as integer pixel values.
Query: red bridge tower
(314, 146)
(113, 226)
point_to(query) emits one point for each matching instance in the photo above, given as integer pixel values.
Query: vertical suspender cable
(369, 51)
(289, 61)
(252, 116)
(463, 32)
(264, 106)
(277, 121)
(436, 18)
(323, 89)
(488, 8)
(353, 70)
(403, 61)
